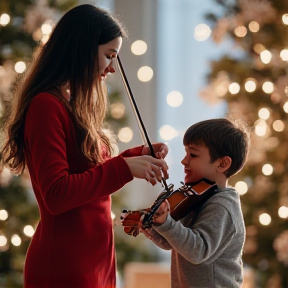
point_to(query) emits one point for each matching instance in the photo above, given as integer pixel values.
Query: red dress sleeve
(47, 136)
(136, 151)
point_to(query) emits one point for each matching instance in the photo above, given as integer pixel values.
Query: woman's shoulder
(46, 101)
(47, 97)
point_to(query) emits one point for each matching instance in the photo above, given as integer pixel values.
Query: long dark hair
(69, 56)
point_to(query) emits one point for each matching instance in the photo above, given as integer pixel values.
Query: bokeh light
(265, 219)
(145, 74)
(260, 127)
(254, 26)
(284, 54)
(117, 110)
(174, 99)
(240, 31)
(268, 87)
(266, 56)
(29, 230)
(20, 67)
(4, 19)
(234, 88)
(202, 32)
(167, 132)
(264, 113)
(267, 169)
(125, 134)
(139, 47)
(16, 240)
(278, 125)
(3, 215)
(283, 212)
(250, 85)
(241, 187)
(285, 19)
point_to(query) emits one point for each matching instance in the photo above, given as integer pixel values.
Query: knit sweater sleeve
(157, 239)
(206, 239)
(45, 137)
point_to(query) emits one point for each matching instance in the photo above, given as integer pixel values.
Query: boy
(207, 244)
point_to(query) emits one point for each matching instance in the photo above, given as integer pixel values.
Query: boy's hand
(161, 214)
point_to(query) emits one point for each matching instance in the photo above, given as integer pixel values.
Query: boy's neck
(222, 184)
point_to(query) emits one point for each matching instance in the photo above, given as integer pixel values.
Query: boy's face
(197, 164)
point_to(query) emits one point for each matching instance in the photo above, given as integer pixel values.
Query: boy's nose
(183, 161)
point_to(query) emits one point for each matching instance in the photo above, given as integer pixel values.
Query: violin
(183, 201)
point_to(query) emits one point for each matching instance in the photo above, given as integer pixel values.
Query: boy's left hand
(161, 214)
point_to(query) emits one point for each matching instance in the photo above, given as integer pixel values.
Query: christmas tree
(252, 78)
(25, 26)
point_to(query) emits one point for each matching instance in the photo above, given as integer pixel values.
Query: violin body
(183, 200)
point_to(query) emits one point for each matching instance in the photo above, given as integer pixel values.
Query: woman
(56, 131)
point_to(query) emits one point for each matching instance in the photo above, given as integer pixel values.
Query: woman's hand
(148, 168)
(160, 149)
(161, 214)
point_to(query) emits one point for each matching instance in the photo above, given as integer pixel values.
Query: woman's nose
(110, 67)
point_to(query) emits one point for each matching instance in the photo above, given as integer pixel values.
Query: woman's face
(107, 54)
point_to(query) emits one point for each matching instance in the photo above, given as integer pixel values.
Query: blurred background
(186, 61)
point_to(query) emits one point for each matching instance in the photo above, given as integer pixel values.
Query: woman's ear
(224, 164)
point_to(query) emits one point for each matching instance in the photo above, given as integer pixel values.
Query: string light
(167, 132)
(139, 47)
(284, 54)
(278, 125)
(20, 67)
(16, 240)
(240, 31)
(265, 56)
(264, 113)
(250, 85)
(241, 187)
(265, 219)
(285, 107)
(3, 240)
(125, 134)
(268, 87)
(283, 212)
(285, 19)
(145, 74)
(258, 48)
(254, 26)
(3, 215)
(267, 169)
(29, 230)
(202, 32)
(174, 99)
(117, 110)
(4, 19)
(234, 88)
(260, 127)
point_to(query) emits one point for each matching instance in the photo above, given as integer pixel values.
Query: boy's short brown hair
(223, 138)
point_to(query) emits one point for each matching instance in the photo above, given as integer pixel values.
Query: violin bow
(140, 123)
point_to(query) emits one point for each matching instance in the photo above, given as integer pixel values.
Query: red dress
(73, 244)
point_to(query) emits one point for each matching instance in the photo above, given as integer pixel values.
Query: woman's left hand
(160, 149)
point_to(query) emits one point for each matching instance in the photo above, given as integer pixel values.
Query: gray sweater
(207, 245)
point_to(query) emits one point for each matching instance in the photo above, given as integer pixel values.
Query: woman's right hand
(148, 168)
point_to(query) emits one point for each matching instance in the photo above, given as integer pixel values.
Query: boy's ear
(224, 164)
